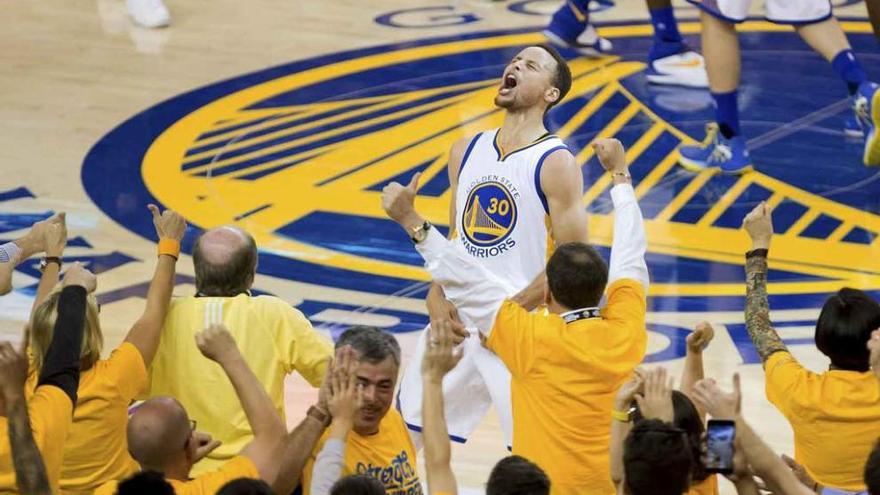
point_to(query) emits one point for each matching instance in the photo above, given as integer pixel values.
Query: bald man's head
(158, 433)
(225, 260)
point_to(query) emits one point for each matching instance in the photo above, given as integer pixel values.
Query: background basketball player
(670, 60)
(725, 146)
(515, 191)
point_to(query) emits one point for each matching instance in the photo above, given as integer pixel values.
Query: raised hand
(699, 339)
(13, 371)
(205, 444)
(217, 344)
(759, 224)
(38, 230)
(55, 235)
(626, 394)
(611, 154)
(169, 224)
(398, 201)
(441, 355)
(345, 396)
(78, 275)
(720, 404)
(655, 401)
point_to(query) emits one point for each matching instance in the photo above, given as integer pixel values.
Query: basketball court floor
(288, 118)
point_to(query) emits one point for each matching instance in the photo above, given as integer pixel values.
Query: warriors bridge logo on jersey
(298, 155)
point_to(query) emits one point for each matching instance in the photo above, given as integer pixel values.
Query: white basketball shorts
(477, 382)
(778, 11)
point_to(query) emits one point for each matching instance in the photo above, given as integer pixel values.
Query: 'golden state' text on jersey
(501, 211)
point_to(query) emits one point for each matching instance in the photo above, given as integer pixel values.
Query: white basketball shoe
(149, 13)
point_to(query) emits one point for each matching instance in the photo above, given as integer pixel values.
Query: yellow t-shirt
(708, 486)
(206, 484)
(275, 340)
(96, 450)
(50, 411)
(564, 378)
(835, 417)
(388, 456)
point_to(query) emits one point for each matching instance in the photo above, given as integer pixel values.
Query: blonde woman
(96, 450)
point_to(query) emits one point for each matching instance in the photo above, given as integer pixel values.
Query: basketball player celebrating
(505, 183)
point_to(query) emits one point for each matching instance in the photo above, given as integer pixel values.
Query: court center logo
(298, 155)
(488, 219)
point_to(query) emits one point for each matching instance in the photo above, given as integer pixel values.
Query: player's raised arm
(448, 265)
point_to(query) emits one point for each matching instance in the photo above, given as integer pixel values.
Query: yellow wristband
(171, 247)
(620, 416)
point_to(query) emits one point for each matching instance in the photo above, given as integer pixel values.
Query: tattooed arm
(759, 225)
(30, 471)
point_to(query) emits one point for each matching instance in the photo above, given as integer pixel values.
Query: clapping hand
(344, 396)
(720, 404)
(441, 355)
(55, 235)
(78, 275)
(655, 402)
(627, 392)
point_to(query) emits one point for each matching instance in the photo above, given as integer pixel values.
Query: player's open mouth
(509, 82)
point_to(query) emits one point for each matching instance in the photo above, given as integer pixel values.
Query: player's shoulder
(459, 150)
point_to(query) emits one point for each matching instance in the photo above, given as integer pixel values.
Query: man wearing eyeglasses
(163, 438)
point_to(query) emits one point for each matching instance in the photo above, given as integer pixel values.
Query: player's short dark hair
(872, 471)
(246, 486)
(576, 275)
(844, 327)
(225, 279)
(515, 475)
(686, 417)
(358, 484)
(562, 77)
(657, 459)
(145, 483)
(372, 344)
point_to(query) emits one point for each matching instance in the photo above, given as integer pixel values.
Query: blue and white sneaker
(852, 127)
(730, 155)
(867, 111)
(588, 43)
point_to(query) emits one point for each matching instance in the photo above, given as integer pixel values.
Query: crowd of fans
(209, 370)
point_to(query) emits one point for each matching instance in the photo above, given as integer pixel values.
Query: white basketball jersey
(501, 211)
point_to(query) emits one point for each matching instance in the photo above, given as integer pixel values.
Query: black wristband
(757, 253)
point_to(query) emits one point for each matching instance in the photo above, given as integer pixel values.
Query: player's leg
(570, 27)
(148, 13)
(724, 145)
(497, 379)
(821, 31)
(466, 399)
(670, 59)
(874, 14)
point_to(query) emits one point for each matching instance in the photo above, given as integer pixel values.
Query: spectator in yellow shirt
(274, 338)
(835, 415)
(50, 407)
(161, 433)
(374, 441)
(567, 362)
(95, 450)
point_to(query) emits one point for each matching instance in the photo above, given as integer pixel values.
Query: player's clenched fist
(611, 154)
